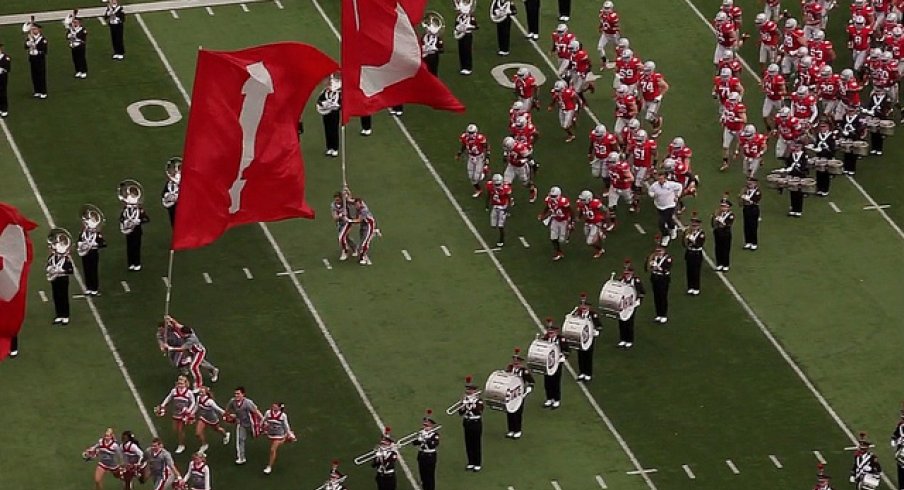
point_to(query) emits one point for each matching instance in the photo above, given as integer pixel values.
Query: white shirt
(665, 195)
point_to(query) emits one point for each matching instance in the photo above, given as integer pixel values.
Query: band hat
(550, 324)
(724, 201)
(468, 383)
(334, 470)
(695, 218)
(583, 298)
(821, 472)
(428, 419)
(628, 266)
(863, 441)
(752, 179)
(517, 355)
(387, 438)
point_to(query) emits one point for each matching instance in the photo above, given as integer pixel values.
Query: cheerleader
(207, 414)
(276, 425)
(160, 466)
(197, 475)
(132, 460)
(184, 403)
(109, 457)
(194, 354)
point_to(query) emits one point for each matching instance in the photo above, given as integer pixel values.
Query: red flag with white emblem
(242, 161)
(16, 255)
(381, 59)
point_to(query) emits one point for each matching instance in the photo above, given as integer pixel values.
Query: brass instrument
(372, 454)
(464, 9)
(720, 217)
(500, 10)
(131, 193)
(433, 22)
(67, 22)
(453, 409)
(174, 175)
(333, 484)
(60, 243)
(414, 435)
(92, 220)
(331, 96)
(26, 27)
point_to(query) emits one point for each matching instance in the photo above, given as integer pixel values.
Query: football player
(627, 70)
(730, 60)
(773, 85)
(828, 90)
(723, 85)
(526, 88)
(557, 216)
(803, 107)
(568, 101)
(610, 32)
(561, 39)
(592, 212)
(726, 35)
(753, 146)
(793, 39)
(474, 143)
(499, 204)
(602, 143)
(789, 131)
(579, 68)
(652, 88)
(524, 131)
(821, 49)
(642, 156)
(622, 185)
(518, 162)
(859, 35)
(768, 42)
(772, 9)
(517, 111)
(625, 108)
(849, 93)
(814, 16)
(734, 117)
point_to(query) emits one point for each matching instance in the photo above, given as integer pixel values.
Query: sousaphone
(433, 22)
(92, 217)
(131, 193)
(59, 240)
(463, 7)
(500, 10)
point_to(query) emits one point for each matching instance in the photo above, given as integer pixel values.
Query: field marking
(43, 296)
(174, 14)
(207, 278)
(133, 8)
(245, 8)
(601, 482)
(406, 255)
(101, 19)
(834, 207)
(293, 277)
(278, 4)
(125, 286)
(78, 296)
(524, 242)
(639, 229)
(775, 461)
(209, 11)
(502, 272)
(856, 184)
(78, 277)
(734, 469)
(555, 485)
(510, 488)
(819, 457)
(299, 271)
(876, 207)
(247, 273)
(642, 471)
(326, 263)
(445, 250)
(166, 281)
(687, 470)
(487, 250)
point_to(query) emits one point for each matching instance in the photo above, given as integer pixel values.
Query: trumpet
(330, 485)
(453, 409)
(372, 454)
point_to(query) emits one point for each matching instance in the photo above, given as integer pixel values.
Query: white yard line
(207, 278)
(687, 470)
(326, 263)
(505, 275)
(734, 469)
(174, 14)
(131, 8)
(117, 359)
(775, 461)
(209, 11)
(819, 457)
(166, 281)
(834, 207)
(639, 229)
(524, 242)
(876, 207)
(78, 296)
(294, 278)
(247, 273)
(406, 255)
(601, 482)
(445, 250)
(43, 296)
(510, 488)
(125, 286)
(245, 8)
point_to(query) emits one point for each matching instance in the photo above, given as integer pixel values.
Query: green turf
(26, 7)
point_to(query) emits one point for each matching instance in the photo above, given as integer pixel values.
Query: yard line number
(499, 74)
(172, 113)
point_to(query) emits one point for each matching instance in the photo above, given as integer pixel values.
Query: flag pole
(169, 283)
(342, 150)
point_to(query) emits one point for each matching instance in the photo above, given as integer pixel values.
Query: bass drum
(869, 481)
(504, 391)
(577, 332)
(618, 299)
(543, 357)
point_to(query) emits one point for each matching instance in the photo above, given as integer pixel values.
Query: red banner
(16, 256)
(381, 59)
(242, 160)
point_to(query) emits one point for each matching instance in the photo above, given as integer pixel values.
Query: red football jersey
(642, 154)
(774, 87)
(791, 40)
(593, 212)
(650, 86)
(821, 51)
(625, 106)
(560, 43)
(629, 70)
(753, 146)
(850, 92)
(526, 87)
(499, 196)
(859, 37)
(609, 22)
(525, 134)
(896, 46)
(682, 154)
(789, 128)
(807, 76)
(727, 34)
(769, 33)
(725, 86)
(733, 64)
(514, 115)
(518, 155)
(559, 208)
(567, 99)
(475, 144)
(814, 13)
(580, 62)
(601, 146)
(621, 175)
(733, 115)
(804, 108)
(828, 88)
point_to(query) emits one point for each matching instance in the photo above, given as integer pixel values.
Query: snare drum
(870, 481)
(887, 128)
(543, 357)
(861, 148)
(872, 123)
(776, 181)
(577, 332)
(617, 299)
(793, 183)
(846, 145)
(504, 391)
(835, 167)
(808, 185)
(819, 164)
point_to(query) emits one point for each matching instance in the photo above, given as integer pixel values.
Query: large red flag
(381, 59)
(242, 158)
(16, 255)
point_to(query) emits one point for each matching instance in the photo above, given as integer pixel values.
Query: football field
(774, 367)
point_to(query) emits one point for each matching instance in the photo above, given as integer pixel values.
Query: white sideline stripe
(207, 278)
(245, 8)
(732, 467)
(687, 470)
(209, 10)
(174, 14)
(78, 277)
(877, 206)
(446, 250)
(278, 4)
(775, 461)
(247, 273)
(293, 277)
(43, 296)
(326, 262)
(819, 457)
(165, 281)
(555, 485)
(125, 286)
(524, 242)
(601, 482)
(132, 8)
(640, 229)
(834, 207)
(406, 255)
(856, 184)
(505, 276)
(299, 271)
(101, 19)
(642, 472)
(487, 250)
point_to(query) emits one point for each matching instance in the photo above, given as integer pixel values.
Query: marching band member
(384, 462)
(593, 213)
(336, 478)
(897, 443)
(558, 217)
(852, 128)
(426, 443)
(569, 103)
(694, 238)
(823, 481)
(5, 66)
(132, 460)
(514, 420)
(610, 32)
(160, 465)
(207, 414)
(753, 146)
(432, 46)
(465, 25)
(552, 383)
(721, 222)
(866, 464)
(750, 206)
(36, 47)
(475, 144)
(502, 12)
(367, 229)
(90, 241)
(532, 7)
(244, 413)
(659, 265)
(526, 89)
(59, 268)
(116, 19)
(797, 167)
(131, 221)
(471, 412)
(665, 194)
(626, 327)
(585, 357)
(518, 163)
(499, 204)
(564, 10)
(77, 35)
(184, 404)
(652, 88)
(276, 426)
(824, 145)
(329, 103)
(197, 475)
(109, 457)
(339, 209)
(194, 354)
(169, 197)
(880, 107)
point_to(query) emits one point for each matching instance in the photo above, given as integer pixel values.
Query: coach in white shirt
(665, 194)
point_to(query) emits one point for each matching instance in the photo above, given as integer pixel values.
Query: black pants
(473, 434)
(694, 261)
(823, 181)
(80, 59)
(90, 263)
(552, 384)
(585, 361)
(60, 288)
(666, 221)
(366, 122)
(504, 35)
(4, 99)
(465, 56)
(850, 162)
(38, 66)
(564, 8)
(751, 215)
(660, 284)
(116, 36)
(626, 329)
(386, 481)
(900, 474)
(797, 201)
(398, 108)
(133, 246)
(331, 130)
(513, 420)
(877, 141)
(722, 240)
(426, 466)
(171, 211)
(432, 62)
(14, 347)
(532, 7)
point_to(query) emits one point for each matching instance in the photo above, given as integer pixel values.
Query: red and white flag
(381, 59)
(16, 255)
(242, 160)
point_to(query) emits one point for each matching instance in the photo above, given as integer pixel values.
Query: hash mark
(278, 4)
(483, 251)
(601, 482)
(207, 278)
(555, 485)
(641, 471)
(102, 21)
(732, 467)
(165, 281)
(834, 207)
(775, 461)
(209, 10)
(524, 242)
(43, 296)
(406, 255)
(877, 206)
(326, 262)
(247, 273)
(639, 229)
(174, 14)
(446, 250)
(299, 271)
(125, 286)
(819, 457)
(245, 8)
(690, 474)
